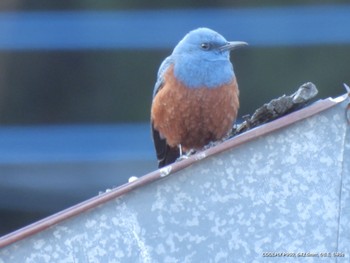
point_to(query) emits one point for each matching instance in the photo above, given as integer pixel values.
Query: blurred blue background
(76, 81)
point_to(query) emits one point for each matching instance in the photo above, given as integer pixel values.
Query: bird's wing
(160, 76)
(165, 153)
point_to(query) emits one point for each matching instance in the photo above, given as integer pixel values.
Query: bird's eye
(205, 46)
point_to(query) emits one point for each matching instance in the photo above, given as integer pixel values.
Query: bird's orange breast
(194, 117)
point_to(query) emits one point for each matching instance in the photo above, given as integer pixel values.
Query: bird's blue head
(202, 59)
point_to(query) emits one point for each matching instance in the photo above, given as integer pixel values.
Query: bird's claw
(182, 157)
(185, 155)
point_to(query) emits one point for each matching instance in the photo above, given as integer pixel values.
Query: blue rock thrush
(195, 98)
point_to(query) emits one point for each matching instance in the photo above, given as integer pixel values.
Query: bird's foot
(182, 157)
(185, 155)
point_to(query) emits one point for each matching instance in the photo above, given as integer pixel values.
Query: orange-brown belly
(194, 117)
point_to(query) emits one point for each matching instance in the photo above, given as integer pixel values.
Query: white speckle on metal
(105, 191)
(200, 155)
(165, 170)
(38, 244)
(90, 223)
(142, 247)
(132, 179)
(132, 231)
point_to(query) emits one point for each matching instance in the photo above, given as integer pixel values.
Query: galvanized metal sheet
(279, 196)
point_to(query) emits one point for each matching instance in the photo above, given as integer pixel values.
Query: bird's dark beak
(232, 45)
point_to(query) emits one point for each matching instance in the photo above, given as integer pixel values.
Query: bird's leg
(182, 156)
(181, 153)
(180, 150)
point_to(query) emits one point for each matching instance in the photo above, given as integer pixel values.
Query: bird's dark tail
(165, 154)
(170, 156)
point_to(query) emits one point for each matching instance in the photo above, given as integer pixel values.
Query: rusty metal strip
(250, 135)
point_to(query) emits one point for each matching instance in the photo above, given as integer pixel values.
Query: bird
(196, 96)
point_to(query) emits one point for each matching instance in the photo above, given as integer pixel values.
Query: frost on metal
(285, 192)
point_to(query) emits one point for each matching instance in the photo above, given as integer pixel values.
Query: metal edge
(245, 137)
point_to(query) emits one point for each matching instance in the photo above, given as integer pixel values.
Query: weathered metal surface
(344, 197)
(283, 192)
